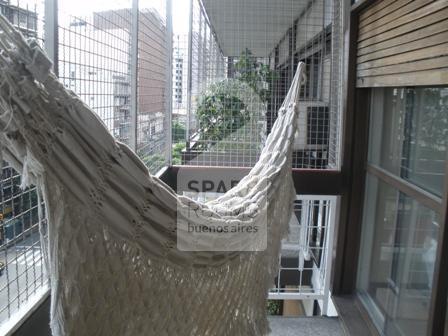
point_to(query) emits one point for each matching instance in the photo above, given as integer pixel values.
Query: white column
(169, 83)
(51, 32)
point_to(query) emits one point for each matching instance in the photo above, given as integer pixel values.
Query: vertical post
(190, 77)
(51, 32)
(329, 241)
(133, 77)
(169, 82)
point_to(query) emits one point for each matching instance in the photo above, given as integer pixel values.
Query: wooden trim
(406, 21)
(428, 64)
(395, 10)
(317, 182)
(306, 181)
(424, 53)
(439, 296)
(414, 44)
(372, 9)
(406, 28)
(419, 34)
(422, 196)
(422, 78)
(406, 46)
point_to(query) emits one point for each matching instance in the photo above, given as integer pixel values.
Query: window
(407, 146)
(414, 139)
(312, 69)
(395, 274)
(318, 125)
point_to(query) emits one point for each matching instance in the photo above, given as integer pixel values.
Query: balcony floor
(305, 326)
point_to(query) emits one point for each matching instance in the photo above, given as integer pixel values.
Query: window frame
(355, 167)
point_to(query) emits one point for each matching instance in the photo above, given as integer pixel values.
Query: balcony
(195, 97)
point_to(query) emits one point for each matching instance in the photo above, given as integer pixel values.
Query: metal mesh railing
(115, 56)
(94, 61)
(223, 78)
(153, 76)
(305, 260)
(126, 87)
(22, 273)
(259, 45)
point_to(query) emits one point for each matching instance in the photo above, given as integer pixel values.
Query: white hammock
(110, 242)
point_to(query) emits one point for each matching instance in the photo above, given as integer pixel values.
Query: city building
(108, 90)
(180, 78)
(23, 18)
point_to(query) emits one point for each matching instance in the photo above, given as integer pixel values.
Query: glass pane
(409, 134)
(397, 259)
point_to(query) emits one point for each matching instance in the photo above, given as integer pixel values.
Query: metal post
(169, 82)
(51, 32)
(329, 240)
(190, 77)
(133, 77)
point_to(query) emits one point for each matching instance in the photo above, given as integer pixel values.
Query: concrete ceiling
(255, 24)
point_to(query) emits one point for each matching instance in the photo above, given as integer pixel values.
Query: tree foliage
(220, 110)
(178, 132)
(256, 74)
(177, 153)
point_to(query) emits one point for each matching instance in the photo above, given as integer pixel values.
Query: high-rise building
(108, 90)
(180, 77)
(25, 19)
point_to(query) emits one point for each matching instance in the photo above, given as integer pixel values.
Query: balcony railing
(122, 61)
(306, 260)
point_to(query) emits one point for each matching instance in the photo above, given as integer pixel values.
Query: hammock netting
(110, 236)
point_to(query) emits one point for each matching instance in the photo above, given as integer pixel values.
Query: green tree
(177, 153)
(221, 110)
(178, 131)
(219, 113)
(256, 74)
(153, 161)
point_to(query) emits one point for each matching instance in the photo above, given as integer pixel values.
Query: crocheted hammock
(110, 241)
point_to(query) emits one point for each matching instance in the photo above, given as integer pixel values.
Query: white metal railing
(305, 260)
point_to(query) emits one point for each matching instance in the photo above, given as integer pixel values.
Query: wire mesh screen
(22, 271)
(115, 56)
(94, 60)
(260, 44)
(153, 74)
(97, 61)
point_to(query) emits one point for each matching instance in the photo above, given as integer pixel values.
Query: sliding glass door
(408, 138)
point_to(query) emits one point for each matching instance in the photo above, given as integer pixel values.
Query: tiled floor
(305, 326)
